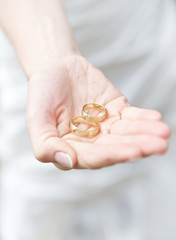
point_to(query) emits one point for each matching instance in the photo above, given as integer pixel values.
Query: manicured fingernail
(63, 160)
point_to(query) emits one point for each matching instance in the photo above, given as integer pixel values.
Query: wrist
(48, 62)
(39, 32)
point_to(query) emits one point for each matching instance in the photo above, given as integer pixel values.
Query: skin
(61, 81)
(127, 133)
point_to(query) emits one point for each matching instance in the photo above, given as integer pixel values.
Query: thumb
(56, 150)
(46, 144)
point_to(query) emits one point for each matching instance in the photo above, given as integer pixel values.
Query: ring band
(81, 132)
(95, 106)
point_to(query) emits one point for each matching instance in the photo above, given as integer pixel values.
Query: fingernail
(63, 160)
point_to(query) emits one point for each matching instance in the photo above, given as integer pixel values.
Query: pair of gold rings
(92, 121)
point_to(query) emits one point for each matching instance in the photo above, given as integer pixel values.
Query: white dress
(134, 44)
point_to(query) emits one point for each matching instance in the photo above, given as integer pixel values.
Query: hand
(55, 96)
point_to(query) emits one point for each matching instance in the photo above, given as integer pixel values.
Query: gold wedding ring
(82, 132)
(95, 106)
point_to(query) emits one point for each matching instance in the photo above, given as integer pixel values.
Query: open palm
(56, 96)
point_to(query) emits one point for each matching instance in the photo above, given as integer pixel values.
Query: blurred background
(134, 44)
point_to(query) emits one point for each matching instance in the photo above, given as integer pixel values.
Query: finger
(134, 113)
(93, 156)
(116, 106)
(126, 127)
(149, 145)
(146, 143)
(46, 144)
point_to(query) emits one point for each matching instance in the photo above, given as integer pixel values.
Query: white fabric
(133, 43)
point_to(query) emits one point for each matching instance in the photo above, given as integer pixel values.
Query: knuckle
(41, 155)
(123, 99)
(43, 149)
